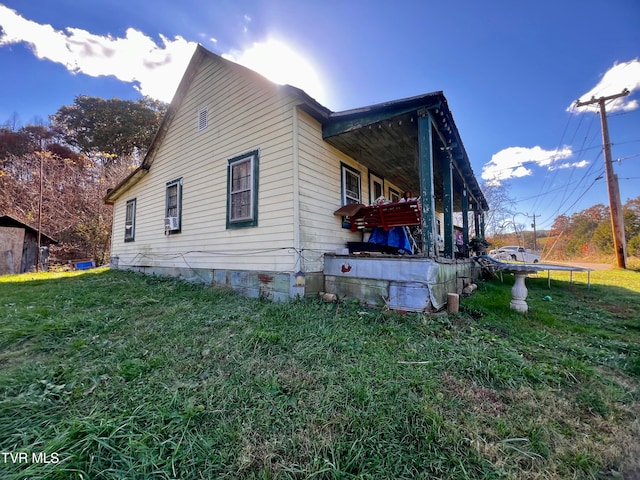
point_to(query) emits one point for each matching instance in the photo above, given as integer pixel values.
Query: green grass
(120, 375)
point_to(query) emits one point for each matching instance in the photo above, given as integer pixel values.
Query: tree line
(85, 148)
(587, 233)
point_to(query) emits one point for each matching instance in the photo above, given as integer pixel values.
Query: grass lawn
(109, 374)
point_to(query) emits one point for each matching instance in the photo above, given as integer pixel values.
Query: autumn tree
(631, 215)
(603, 237)
(583, 227)
(589, 231)
(83, 153)
(560, 225)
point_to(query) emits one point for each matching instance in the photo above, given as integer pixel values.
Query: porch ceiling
(384, 138)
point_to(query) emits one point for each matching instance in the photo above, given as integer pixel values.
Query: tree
(560, 225)
(633, 247)
(111, 130)
(603, 237)
(631, 215)
(583, 226)
(91, 145)
(502, 207)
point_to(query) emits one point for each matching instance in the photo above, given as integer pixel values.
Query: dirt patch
(16, 354)
(480, 399)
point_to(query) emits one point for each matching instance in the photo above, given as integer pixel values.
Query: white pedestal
(519, 293)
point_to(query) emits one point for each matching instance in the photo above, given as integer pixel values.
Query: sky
(511, 71)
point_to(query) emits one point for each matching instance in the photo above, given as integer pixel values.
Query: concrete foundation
(407, 283)
(276, 286)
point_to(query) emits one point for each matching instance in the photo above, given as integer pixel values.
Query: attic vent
(203, 118)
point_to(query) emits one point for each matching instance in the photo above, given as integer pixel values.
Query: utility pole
(615, 205)
(39, 252)
(535, 234)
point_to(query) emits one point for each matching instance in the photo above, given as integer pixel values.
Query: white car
(515, 253)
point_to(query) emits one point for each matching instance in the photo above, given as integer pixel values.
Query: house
(242, 182)
(19, 246)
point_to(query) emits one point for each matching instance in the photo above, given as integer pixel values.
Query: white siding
(245, 113)
(321, 193)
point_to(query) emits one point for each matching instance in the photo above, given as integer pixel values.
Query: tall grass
(120, 375)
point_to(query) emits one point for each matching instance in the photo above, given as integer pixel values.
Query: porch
(402, 282)
(412, 143)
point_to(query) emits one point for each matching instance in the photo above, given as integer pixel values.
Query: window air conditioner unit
(171, 223)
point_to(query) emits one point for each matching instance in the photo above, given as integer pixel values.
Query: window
(130, 221)
(173, 207)
(350, 190)
(242, 191)
(376, 187)
(350, 185)
(394, 195)
(203, 118)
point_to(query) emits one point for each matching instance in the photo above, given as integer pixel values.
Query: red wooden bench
(386, 215)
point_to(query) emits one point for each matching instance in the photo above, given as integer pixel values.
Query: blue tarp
(396, 237)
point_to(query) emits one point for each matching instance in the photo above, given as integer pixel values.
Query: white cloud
(515, 162)
(135, 58)
(561, 166)
(614, 81)
(155, 69)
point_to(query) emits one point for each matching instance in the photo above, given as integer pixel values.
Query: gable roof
(309, 105)
(344, 130)
(7, 221)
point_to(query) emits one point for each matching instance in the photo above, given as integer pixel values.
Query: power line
(561, 187)
(582, 149)
(566, 198)
(617, 221)
(627, 157)
(566, 127)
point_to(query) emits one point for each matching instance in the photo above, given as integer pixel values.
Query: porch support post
(447, 200)
(427, 202)
(465, 218)
(476, 222)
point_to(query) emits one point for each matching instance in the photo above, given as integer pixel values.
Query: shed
(19, 245)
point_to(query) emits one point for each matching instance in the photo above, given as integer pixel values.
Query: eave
(129, 181)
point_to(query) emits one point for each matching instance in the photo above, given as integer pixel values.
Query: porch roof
(384, 137)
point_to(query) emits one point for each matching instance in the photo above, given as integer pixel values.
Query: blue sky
(511, 71)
